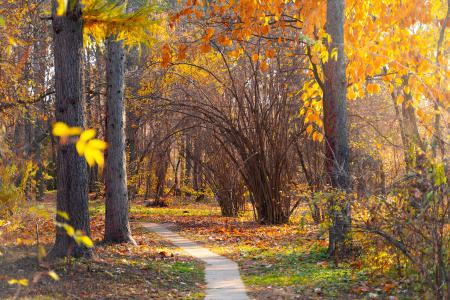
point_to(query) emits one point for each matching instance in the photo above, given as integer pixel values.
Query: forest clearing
(224, 149)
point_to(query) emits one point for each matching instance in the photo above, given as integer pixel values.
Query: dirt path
(223, 280)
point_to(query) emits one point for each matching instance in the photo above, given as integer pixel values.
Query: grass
(201, 211)
(293, 268)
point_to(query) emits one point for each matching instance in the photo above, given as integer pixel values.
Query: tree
(335, 126)
(72, 181)
(117, 227)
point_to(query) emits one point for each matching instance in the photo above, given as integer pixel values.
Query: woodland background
(308, 140)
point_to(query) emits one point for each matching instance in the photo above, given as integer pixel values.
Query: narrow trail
(223, 280)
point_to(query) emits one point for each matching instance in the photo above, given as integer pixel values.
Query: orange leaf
(182, 49)
(270, 53)
(166, 56)
(205, 48)
(264, 66)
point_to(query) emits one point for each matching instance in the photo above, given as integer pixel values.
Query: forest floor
(153, 269)
(276, 262)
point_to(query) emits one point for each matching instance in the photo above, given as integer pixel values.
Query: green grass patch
(184, 272)
(96, 208)
(175, 211)
(296, 267)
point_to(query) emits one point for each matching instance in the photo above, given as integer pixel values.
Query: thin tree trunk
(117, 227)
(72, 181)
(196, 171)
(437, 136)
(335, 126)
(188, 158)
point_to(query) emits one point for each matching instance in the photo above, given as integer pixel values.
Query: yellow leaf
(98, 157)
(351, 94)
(41, 252)
(89, 158)
(85, 240)
(324, 56)
(334, 54)
(75, 130)
(23, 282)
(61, 129)
(53, 275)
(87, 135)
(69, 229)
(319, 137)
(63, 215)
(398, 81)
(309, 129)
(62, 7)
(80, 145)
(407, 90)
(97, 144)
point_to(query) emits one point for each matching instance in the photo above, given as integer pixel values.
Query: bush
(414, 219)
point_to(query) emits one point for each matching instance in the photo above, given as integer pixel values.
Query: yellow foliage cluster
(92, 149)
(103, 19)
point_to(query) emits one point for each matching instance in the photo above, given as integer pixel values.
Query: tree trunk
(413, 144)
(196, 168)
(72, 181)
(335, 126)
(39, 176)
(161, 173)
(117, 227)
(188, 158)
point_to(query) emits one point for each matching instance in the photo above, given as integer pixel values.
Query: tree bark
(72, 181)
(335, 126)
(117, 227)
(188, 159)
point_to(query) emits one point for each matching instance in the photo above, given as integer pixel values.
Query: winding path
(221, 274)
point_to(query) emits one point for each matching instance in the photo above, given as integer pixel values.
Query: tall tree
(335, 126)
(72, 179)
(117, 227)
